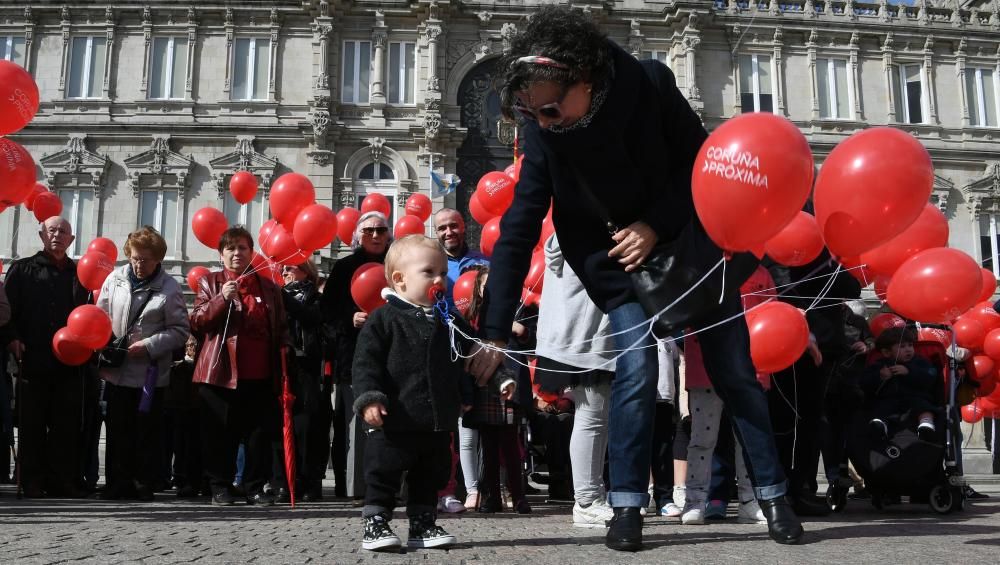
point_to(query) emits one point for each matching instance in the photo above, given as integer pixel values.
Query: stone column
(379, 38)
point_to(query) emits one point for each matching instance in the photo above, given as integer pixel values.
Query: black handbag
(672, 269)
(113, 354)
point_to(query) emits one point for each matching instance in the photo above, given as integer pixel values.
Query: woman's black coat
(637, 155)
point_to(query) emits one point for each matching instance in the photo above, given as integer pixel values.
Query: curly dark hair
(561, 34)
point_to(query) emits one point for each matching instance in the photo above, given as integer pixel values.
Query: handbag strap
(595, 202)
(142, 306)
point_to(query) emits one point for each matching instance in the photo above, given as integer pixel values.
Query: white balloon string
(511, 353)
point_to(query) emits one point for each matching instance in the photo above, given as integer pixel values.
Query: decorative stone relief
(159, 161)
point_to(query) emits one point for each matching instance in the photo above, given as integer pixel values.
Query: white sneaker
(671, 510)
(450, 504)
(694, 513)
(750, 513)
(594, 516)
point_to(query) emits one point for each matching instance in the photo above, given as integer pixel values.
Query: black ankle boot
(782, 523)
(625, 530)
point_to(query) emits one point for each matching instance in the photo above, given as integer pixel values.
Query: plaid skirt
(489, 409)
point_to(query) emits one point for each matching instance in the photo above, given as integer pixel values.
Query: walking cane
(18, 464)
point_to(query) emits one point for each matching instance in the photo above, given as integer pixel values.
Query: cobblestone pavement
(178, 531)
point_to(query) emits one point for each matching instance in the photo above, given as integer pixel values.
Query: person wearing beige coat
(146, 305)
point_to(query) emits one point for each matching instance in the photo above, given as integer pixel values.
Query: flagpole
(430, 173)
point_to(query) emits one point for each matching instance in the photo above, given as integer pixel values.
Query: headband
(541, 60)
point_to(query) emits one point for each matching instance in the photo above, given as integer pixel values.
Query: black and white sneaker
(378, 535)
(424, 533)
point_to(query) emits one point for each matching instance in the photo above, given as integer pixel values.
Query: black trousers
(800, 389)
(248, 414)
(663, 453)
(496, 442)
(134, 438)
(51, 422)
(187, 468)
(554, 430)
(426, 458)
(311, 417)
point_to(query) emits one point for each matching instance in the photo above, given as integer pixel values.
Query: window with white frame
(12, 49)
(86, 67)
(78, 210)
(376, 172)
(756, 83)
(835, 93)
(168, 68)
(908, 90)
(250, 215)
(6, 231)
(158, 208)
(356, 72)
(402, 69)
(988, 243)
(379, 177)
(658, 55)
(251, 64)
(981, 96)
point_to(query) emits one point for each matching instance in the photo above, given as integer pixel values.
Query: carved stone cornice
(161, 162)
(75, 166)
(244, 158)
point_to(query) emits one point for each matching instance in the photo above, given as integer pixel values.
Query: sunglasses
(381, 230)
(550, 111)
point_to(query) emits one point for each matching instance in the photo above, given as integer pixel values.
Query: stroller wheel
(836, 498)
(942, 499)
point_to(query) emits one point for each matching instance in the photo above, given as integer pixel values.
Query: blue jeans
(632, 410)
(726, 352)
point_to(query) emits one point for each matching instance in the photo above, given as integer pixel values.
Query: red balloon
(928, 231)
(266, 269)
(195, 275)
(987, 386)
(17, 172)
(858, 270)
(264, 233)
(480, 214)
(376, 202)
(969, 333)
(496, 192)
(68, 349)
(779, 335)
(972, 413)
(884, 321)
(752, 176)
(798, 243)
(463, 290)
(863, 197)
(105, 246)
(282, 247)
(208, 225)
(510, 170)
(29, 200)
(984, 368)
(882, 287)
(289, 195)
(548, 228)
(46, 205)
(18, 97)
(92, 269)
(347, 222)
(366, 286)
(934, 334)
(419, 205)
(935, 285)
(529, 298)
(991, 345)
(488, 238)
(989, 285)
(243, 186)
(536, 273)
(91, 325)
(315, 227)
(985, 315)
(408, 225)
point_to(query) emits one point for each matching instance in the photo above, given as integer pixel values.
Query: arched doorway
(482, 151)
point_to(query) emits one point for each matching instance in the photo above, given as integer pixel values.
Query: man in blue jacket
(450, 228)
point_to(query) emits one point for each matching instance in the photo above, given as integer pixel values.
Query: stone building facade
(148, 108)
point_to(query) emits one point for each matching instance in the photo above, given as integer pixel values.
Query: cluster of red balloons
(88, 329)
(18, 106)
(96, 263)
(418, 210)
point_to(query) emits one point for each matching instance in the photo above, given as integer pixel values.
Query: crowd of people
(470, 406)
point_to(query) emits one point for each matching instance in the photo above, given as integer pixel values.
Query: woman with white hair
(342, 322)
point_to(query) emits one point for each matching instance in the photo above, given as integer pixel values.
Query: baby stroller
(903, 464)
